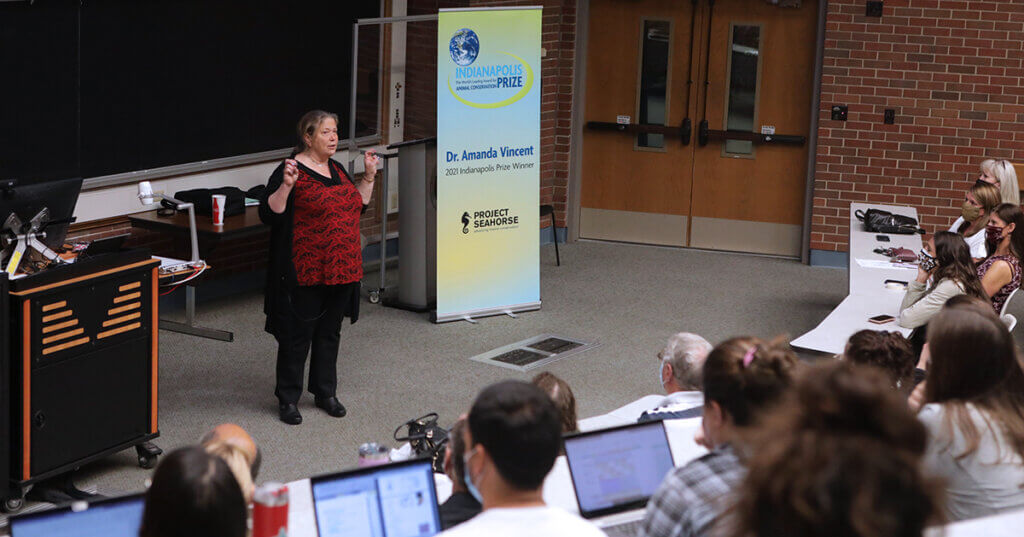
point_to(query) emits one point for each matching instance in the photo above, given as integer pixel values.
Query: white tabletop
(851, 316)
(867, 281)
(868, 294)
(1003, 525)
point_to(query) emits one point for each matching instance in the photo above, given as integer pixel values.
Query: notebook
(113, 517)
(615, 471)
(393, 500)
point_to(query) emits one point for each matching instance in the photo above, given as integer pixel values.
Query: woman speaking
(313, 205)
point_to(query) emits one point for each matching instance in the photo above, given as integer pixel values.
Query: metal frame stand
(189, 326)
(382, 205)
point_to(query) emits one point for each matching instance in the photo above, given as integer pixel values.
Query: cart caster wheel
(13, 505)
(374, 297)
(147, 461)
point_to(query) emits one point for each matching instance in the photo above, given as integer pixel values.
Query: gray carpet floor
(395, 365)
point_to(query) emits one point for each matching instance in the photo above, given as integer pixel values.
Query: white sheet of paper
(874, 263)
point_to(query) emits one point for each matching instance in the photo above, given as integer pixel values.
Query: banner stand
(471, 316)
(488, 162)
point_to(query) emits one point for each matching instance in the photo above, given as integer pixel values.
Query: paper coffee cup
(219, 200)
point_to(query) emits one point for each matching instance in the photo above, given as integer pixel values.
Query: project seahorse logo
(491, 86)
(465, 222)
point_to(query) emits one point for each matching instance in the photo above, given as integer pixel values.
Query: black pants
(313, 320)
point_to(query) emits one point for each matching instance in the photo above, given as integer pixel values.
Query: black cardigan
(281, 277)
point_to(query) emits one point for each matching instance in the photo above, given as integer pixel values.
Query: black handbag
(879, 221)
(202, 198)
(427, 439)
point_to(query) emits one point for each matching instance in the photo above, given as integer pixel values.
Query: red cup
(270, 511)
(219, 200)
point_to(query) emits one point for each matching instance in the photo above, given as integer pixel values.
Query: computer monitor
(393, 500)
(26, 198)
(113, 517)
(619, 469)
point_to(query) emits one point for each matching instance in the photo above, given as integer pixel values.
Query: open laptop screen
(615, 470)
(395, 500)
(117, 517)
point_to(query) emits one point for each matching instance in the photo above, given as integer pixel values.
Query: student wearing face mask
(1002, 174)
(1000, 273)
(979, 202)
(946, 262)
(512, 437)
(463, 504)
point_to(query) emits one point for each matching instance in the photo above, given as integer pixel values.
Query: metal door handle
(704, 135)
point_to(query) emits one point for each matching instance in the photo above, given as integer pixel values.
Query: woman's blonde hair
(237, 460)
(308, 124)
(1004, 171)
(989, 197)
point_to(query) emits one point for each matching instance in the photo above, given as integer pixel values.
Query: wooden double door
(697, 115)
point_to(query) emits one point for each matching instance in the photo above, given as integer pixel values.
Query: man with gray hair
(679, 372)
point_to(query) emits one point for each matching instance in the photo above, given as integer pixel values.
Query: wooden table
(247, 223)
(237, 226)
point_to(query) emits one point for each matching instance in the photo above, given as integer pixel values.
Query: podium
(417, 224)
(83, 371)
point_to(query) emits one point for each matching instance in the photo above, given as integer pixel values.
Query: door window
(744, 66)
(656, 43)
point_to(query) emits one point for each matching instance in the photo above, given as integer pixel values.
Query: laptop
(393, 500)
(112, 517)
(105, 246)
(615, 471)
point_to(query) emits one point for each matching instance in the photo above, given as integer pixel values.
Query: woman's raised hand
(370, 161)
(291, 172)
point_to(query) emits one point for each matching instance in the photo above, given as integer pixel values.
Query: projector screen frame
(176, 170)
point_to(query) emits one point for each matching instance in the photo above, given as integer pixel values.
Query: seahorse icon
(465, 222)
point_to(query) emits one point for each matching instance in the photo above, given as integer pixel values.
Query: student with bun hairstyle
(840, 458)
(888, 351)
(743, 378)
(1002, 174)
(974, 411)
(1000, 273)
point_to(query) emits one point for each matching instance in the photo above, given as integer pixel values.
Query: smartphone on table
(881, 319)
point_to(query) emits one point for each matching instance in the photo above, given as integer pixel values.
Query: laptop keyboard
(625, 529)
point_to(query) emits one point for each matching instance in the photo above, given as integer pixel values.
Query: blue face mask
(468, 480)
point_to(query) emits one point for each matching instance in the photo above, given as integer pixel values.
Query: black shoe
(289, 413)
(332, 406)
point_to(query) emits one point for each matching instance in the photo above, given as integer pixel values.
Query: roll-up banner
(488, 161)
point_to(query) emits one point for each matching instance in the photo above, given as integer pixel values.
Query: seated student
(232, 444)
(1000, 273)
(679, 368)
(193, 494)
(743, 378)
(1002, 174)
(840, 458)
(462, 505)
(888, 351)
(974, 412)
(981, 199)
(946, 261)
(561, 395)
(512, 440)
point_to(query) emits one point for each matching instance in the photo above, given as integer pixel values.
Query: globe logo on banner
(464, 47)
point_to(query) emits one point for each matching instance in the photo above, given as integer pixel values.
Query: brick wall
(952, 71)
(558, 39)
